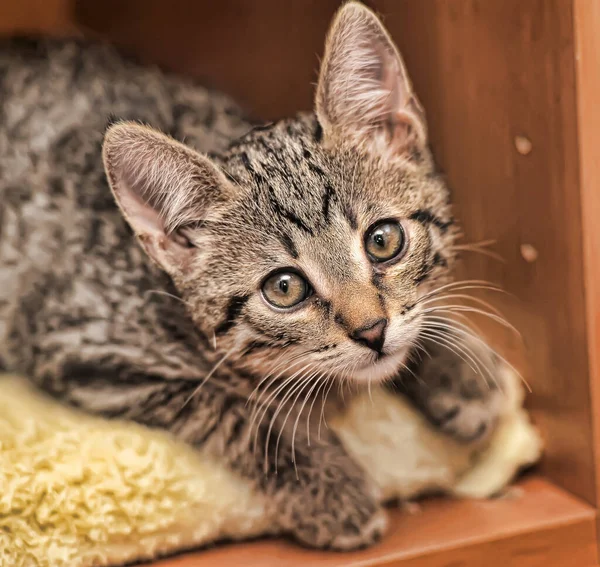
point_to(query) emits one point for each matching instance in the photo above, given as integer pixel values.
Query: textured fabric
(80, 491)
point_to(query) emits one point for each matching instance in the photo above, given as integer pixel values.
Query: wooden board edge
(587, 58)
(546, 525)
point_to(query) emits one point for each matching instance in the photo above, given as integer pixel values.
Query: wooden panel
(544, 526)
(587, 24)
(49, 16)
(487, 72)
(262, 52)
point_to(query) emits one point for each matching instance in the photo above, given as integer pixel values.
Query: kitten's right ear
(162, 187)
(364, 93)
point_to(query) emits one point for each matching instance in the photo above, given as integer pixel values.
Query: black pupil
(379, 239)
(284, 285)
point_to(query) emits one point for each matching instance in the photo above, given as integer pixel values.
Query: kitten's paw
(467, 420)
(366, 535)
(462, 396)
(337, 510)
(343, 529)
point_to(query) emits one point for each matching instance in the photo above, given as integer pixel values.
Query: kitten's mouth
(385, 365)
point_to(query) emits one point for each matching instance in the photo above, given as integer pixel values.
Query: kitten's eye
(285, 289)
(384, 241)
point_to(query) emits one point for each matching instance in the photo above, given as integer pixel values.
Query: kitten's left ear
(364, 92)
(162, 187)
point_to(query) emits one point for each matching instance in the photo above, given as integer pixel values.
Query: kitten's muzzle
(372, 334)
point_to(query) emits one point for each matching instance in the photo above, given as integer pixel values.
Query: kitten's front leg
(324, 498)
(320, 495)
(458, 386)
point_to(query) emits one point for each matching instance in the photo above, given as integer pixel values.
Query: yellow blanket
(80, 491)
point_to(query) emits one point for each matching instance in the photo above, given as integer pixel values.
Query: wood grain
(487, 72)
(264, 52)
(48, 16)
(544, 526)
(587, 24)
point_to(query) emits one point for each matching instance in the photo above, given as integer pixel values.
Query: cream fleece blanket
(79, 491)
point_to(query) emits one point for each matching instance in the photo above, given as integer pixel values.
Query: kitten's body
(91, 319)
(70, 270)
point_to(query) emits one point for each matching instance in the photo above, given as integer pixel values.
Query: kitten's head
(306, 247)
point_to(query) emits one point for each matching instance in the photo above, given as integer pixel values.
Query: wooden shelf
(487, 73)
(542, 526)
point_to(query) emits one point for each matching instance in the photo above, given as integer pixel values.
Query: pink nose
(372, 334)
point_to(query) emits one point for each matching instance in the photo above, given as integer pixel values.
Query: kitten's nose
(372, 334)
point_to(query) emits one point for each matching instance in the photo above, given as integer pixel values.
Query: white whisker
(297, 389)
(464, 347)
(208, 376)
(264, 407)
(322, 418)
(167, 294)
(458, 351)
(466, 331)
(317, 382)
(323, 383)
(468, 309)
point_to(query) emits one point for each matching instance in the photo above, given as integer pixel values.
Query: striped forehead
(299, 195)
(299, 192)
(335, 256)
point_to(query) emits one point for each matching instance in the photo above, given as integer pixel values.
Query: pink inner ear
(143, 218)
(170, 251)
(406, 118)
(393, 81)
(364, 92)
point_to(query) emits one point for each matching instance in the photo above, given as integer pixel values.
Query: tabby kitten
(299, 256)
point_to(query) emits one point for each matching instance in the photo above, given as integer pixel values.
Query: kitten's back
(60, 231)
(50, 87)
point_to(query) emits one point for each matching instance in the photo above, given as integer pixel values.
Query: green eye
(285, 289)
(384, 241)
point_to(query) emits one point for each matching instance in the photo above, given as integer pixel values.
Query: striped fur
(180, 337)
